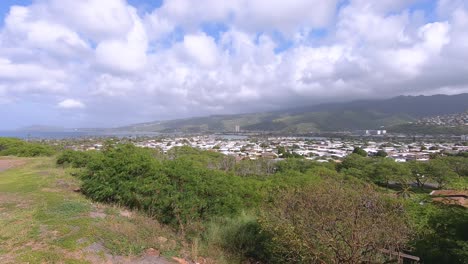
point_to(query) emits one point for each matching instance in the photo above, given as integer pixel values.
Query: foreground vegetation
(19, 148)
(42, 220)
(364, 209)
(292, 211)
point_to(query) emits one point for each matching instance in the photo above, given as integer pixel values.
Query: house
(269, 155)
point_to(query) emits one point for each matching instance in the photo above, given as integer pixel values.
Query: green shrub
(442, 234)
(20, 148)
(333, 223)
(241, 237)
(179, 192)
(76, 159)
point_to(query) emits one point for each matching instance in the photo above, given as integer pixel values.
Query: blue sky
(105, 63)
(5, 6)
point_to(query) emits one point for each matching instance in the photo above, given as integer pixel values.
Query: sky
(106, 63)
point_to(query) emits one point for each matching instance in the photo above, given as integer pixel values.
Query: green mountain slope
(363, 114)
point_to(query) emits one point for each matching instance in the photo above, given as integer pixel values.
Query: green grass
(43, 221)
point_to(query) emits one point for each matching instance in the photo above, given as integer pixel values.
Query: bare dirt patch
(126, 213)
(6, 164)
(98, 211)
(97, 253)
(11, 199)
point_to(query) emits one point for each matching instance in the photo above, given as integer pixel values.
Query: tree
(444, 236)
(381, 153)
(358, 166)
(440, 172)
(228, 163)
(331, 223)
(403, 177)
(418, 171)
(387, 170)
(458, 164)
(360, 151)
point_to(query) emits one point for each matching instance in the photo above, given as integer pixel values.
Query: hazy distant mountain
(362, 114)
(41, 128)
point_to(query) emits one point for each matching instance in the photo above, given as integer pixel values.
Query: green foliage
(443, 234)
(259, 168)
(327, 223)
(381, 153)
(418, 172)
(200, 157)
(196, 191)
(428, 129)
(439, 171)
(179, 192)
(358, 166)
(457, 164)
(360, 152)
(299, 165)
(76, 159)
(20, 148)
(241, 237)
(387, 170)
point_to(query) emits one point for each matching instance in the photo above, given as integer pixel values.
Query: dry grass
(43, 221)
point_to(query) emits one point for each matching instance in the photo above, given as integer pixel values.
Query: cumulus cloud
(258, 15)
(70, 104)
(201, 48)
(187, 58)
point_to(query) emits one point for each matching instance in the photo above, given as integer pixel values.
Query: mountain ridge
(353, 115)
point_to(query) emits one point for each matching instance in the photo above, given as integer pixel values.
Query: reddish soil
(6, 164)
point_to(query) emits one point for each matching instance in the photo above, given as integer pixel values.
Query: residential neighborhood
(319, 149)
(459, 119)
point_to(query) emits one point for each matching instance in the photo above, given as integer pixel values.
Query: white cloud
(24, 28)
(26, 71)
(190, 58)
(259, 15)
(70, 104)
(201, 48)
(285, 16)
(97, 19)
(109, 85)
(127, 54)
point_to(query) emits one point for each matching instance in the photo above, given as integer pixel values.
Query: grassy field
(42, 220)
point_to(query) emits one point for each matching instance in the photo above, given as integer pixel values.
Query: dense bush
(241, 237)
(178, 191)
(76, 159)
(20, 148)
(301, 165)
(315, 211)
(441, 171)
(442, 235)
(333, 223)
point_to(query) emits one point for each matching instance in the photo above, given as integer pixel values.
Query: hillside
(43, 220)
(362, 114)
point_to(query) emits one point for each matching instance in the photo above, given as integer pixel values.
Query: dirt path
(6, 164)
